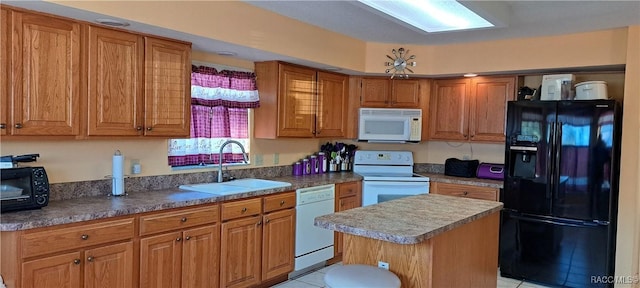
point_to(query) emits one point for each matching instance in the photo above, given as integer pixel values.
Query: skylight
(430, 15)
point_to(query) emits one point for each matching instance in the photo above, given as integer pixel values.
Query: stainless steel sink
(235, 186)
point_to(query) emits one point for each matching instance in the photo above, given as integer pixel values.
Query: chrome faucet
(244, 156)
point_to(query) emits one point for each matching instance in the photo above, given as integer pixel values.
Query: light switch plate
(276, 158)
(258, 160)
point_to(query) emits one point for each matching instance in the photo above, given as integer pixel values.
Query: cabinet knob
(266, 221)
(3, 126)
(18, 125)
(149, 128)
(90, 258)
(184, 219)
(187, 238)
(465, 193)
(259, 223)
(178, 239)
(139, 128)
(318, 133)
(282, 203)
(76, 261)
(84, 237)
(313, 131)
(244, 210)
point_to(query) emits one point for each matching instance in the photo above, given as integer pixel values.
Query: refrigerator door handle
(550, 154)
(556, 175)
(559, 223)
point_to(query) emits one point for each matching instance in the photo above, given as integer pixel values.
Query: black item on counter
(460, 168)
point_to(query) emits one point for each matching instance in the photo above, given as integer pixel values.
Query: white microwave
(390, 125)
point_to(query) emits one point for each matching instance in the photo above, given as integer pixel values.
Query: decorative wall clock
(400, 62)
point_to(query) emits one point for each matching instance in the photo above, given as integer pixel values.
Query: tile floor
(313, 279)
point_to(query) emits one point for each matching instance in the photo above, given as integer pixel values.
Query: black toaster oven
(23, 188)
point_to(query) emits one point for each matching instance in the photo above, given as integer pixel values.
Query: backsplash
(71, 190)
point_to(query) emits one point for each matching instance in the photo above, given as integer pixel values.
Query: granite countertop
(435, 177)
(408, 220)
(92, 208)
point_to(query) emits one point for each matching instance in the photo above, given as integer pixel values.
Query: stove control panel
(383, 157)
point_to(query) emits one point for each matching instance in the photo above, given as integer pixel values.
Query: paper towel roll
(117, 174)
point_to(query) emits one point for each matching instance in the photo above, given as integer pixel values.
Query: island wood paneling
(466, 256)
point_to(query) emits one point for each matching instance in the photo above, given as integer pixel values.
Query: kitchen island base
(466, 256)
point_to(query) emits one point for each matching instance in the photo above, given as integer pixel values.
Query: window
(220, 102)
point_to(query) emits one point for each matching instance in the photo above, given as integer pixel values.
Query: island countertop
(408, 220)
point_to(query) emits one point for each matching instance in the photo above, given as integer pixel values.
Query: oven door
(374, 192)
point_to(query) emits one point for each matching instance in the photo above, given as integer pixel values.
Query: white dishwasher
(313, 244)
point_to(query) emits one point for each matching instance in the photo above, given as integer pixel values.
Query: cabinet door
(160, 260)
(449, 110)
(489, 96)
(46, 67)
(201, 256)
(405, 93)
(167, 88)
(332, 105)
(349, 196)
(109, 266)
(4, 70)
(278, 243)
(296, 102)
(115, 95)
(375, 92)
(240, 252)
(56, 271)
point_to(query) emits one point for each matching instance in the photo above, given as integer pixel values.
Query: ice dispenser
(523, 161)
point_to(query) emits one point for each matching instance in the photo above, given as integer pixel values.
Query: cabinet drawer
(279, 201)
(469, 191)
(237, 209)
(55, 240)
(174, 220)
(348, 189)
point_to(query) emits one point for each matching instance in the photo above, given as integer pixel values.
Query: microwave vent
(391, 112)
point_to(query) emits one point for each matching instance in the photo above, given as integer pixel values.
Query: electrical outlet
(258, 160)
(383, 265)
(276, 158)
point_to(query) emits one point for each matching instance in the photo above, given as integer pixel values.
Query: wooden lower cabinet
(257, 247)
(54, 271)
(109, 266)
(468, 191)
(348, 196)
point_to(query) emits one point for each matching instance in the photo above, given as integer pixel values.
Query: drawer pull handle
(282, 203)
(84, 237)
(90, 258)
(465, 193)
(244, 209)
(187, 238)
(76, 261)
(178, 239)
(184, 219)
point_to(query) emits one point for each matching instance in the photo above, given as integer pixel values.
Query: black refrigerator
(560, 195)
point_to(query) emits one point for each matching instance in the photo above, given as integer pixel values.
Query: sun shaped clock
(401, 60)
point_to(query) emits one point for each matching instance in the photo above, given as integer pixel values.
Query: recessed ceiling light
(112, 22)
(226, 53)
(470, 75)
(431, 15)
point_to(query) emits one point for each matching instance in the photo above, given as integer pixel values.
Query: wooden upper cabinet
(470, 109)
(375, 92)
(46, 80)
(332, 104)
(488, 107)
(115, 86)
(449, 110)
(405, 93)
(296, 98)
(386, 93)
(5, 47)
(167, 88)
(306, 103)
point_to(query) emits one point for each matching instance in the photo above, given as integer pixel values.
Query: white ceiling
(516, 19)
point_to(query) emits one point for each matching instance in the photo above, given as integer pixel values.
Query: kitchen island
(428, 240)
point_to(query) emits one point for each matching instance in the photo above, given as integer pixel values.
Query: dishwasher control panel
(316, 194)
